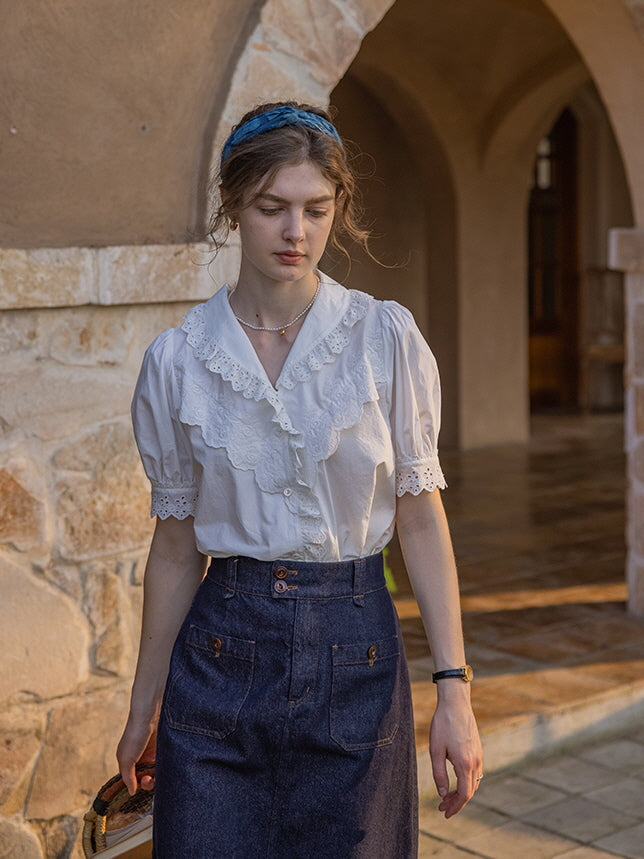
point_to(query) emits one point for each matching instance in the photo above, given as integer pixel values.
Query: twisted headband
(277, 118)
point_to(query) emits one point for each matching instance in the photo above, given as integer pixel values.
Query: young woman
(286, 428)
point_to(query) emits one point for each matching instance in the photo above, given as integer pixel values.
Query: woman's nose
(294, 230)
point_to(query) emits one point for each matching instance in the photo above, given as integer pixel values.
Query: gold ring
(479, 777)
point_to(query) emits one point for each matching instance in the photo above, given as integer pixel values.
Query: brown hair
(253, 164)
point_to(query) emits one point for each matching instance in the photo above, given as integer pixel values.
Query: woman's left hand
(454, 737)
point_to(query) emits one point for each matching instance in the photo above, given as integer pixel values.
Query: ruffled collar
(219, 341)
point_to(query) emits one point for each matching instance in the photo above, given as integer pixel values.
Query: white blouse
(308, 469)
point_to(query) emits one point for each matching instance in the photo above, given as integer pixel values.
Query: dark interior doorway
(553, 270)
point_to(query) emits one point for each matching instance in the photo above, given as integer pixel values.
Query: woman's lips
(289, 257)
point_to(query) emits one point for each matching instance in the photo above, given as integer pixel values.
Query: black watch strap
(465, 674)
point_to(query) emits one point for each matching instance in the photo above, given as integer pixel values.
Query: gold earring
(233, 224)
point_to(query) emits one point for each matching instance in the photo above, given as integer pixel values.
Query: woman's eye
(269, 211)
(317, 213)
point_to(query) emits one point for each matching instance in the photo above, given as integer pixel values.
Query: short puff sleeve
(415, 403)
(160, 436)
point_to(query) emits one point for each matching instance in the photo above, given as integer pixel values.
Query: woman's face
(285, 230)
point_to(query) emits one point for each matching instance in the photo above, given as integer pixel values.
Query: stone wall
(74, 528)
(627, 254)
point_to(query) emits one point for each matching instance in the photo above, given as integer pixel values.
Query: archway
(490, 78)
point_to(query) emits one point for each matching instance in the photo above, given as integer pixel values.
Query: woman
(286, 427)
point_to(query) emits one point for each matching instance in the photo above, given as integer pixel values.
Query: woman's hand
(137, 746)
(454, 737)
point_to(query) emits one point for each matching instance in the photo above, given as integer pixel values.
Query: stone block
(19, 747)
(105, 605)
(17, 841)
(47, 277)
(102, 496)
(637, 342)
(635, 580)
(22, 523)
(636, 520)
(638, 400)
(368, 13)
(18, 331)
(61, 836)
(51, 401)
(154, 273)
(326, 57)
(43, 638)
(637, 461)
(63, 576)
(626, 250)
(91, 337)
(78, 753)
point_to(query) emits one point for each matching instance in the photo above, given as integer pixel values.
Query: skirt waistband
(299, 579)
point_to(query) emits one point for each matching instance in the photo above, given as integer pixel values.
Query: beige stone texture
(78, 752)
(22, 523)
(626, 250)
(323, 36)
(637, 342)
(45, 400)
(636, 517)
(61, 837)
(43, 638)
(635, 577)
(18, 331)
(105, 604)
(637, 461)
(47, 277)
(151, 274)
(638, 409)
(102, 496)
(90, 337)
(20, 742)
(17, 841)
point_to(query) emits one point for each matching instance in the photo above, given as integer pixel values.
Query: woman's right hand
(137, 746)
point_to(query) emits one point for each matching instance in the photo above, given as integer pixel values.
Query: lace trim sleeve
(179, 502)
(415, 478)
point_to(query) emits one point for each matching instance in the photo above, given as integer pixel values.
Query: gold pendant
(282, 332)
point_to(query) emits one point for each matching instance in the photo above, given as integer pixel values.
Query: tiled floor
(539, 537)
(584, 804)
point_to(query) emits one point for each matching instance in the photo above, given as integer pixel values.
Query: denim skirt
(286, 729)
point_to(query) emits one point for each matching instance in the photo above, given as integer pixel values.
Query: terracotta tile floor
(538, 532)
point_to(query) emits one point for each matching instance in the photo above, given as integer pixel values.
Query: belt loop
(231, 577)
(359, 568)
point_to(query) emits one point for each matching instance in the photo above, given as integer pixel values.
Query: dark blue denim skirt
(286, 729)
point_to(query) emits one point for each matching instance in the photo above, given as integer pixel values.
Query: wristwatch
(465, 674)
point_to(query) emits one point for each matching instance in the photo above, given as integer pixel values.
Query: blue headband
(277, 118)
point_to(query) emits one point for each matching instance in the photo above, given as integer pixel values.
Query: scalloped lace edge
(416, 478)
(173, 502)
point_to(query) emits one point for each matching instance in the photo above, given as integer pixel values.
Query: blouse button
(288, 492)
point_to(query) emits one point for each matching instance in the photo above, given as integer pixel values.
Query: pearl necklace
(280, 328)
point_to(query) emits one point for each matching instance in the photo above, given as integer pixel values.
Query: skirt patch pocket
(210, 677)
(364, 711)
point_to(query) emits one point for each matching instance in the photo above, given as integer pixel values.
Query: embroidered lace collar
(218, 339)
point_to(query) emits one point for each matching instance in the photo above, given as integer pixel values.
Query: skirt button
(280, 586)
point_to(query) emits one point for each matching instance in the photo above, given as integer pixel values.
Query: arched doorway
(575, 302)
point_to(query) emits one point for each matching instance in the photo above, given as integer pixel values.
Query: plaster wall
(107, 117)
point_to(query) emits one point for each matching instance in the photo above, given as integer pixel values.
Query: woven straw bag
(119, 820)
